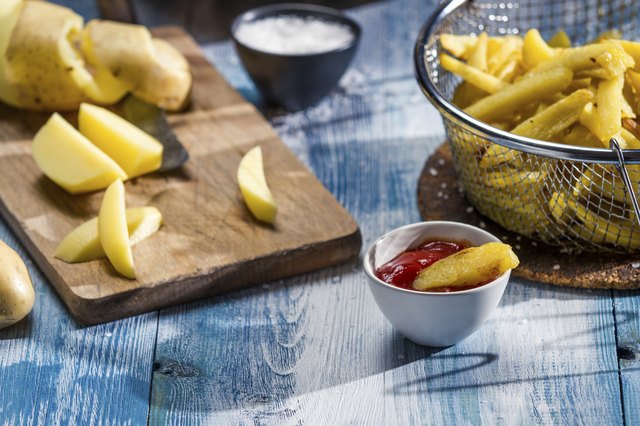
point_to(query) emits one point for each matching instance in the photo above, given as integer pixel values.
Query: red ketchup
(403, 270)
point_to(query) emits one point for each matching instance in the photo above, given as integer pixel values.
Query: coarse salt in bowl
(430, 318)
(295, 53)
(294, 35)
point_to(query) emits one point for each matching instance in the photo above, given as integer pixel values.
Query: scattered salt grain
(433, 172)
(293, 35)
(556, 267)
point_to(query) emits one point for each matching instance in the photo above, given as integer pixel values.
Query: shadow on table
(254, 365)
(234, 362)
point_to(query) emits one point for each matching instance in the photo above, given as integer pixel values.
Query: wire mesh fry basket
(574, 197)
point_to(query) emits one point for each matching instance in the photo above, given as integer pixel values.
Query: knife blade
(153, 120)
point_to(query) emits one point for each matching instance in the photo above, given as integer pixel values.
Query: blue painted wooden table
(314, 349)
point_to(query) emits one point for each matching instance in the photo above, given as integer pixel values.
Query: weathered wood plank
(53, 371)
(627, 310)
(317, 350)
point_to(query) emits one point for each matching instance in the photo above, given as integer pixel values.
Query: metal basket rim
(510, 140)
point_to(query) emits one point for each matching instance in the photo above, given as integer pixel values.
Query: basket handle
(622, 168)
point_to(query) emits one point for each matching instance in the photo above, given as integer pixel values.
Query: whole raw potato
(16, 291)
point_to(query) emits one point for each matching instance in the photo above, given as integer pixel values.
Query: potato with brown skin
(16, 291)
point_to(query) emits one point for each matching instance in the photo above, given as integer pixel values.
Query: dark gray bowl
(295, 81)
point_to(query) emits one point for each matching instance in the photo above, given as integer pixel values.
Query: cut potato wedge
(135, 151)
(69, 159)
(468, 267)
(113, 232)
(253, 186)
(83, 243)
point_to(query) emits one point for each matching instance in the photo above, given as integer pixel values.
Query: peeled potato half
(50, 62)
(155, 70)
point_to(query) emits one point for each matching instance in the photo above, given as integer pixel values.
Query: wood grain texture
(209, 243)
(53, 371)
(314, 349)
(627, 314)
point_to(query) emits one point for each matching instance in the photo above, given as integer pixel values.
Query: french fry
(576, 59)
(467, 94)
(631, 141)
(478, 55)
(500, 54)
(470, 266)
(525, 91)
(509, 70)
(458, 45)
(629, 101)
(498, 155)
(579, 83)
(478, 78)
(589, 119)
(600, 73)
(612, 230)
(579, 135)
(615, 60)
(633, 49)
(556, 118)
(581, 96)
(609, 111)
(520, 188)
(535, 50)
(560, 39)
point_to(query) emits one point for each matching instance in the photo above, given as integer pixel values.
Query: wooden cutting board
(209, 243)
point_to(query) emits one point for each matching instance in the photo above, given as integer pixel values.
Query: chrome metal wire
(568, 196)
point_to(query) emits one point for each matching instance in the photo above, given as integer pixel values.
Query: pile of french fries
(554, 92)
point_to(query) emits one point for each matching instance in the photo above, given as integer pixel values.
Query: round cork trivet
(441, 198)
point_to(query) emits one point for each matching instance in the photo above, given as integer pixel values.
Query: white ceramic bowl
(432, 319)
